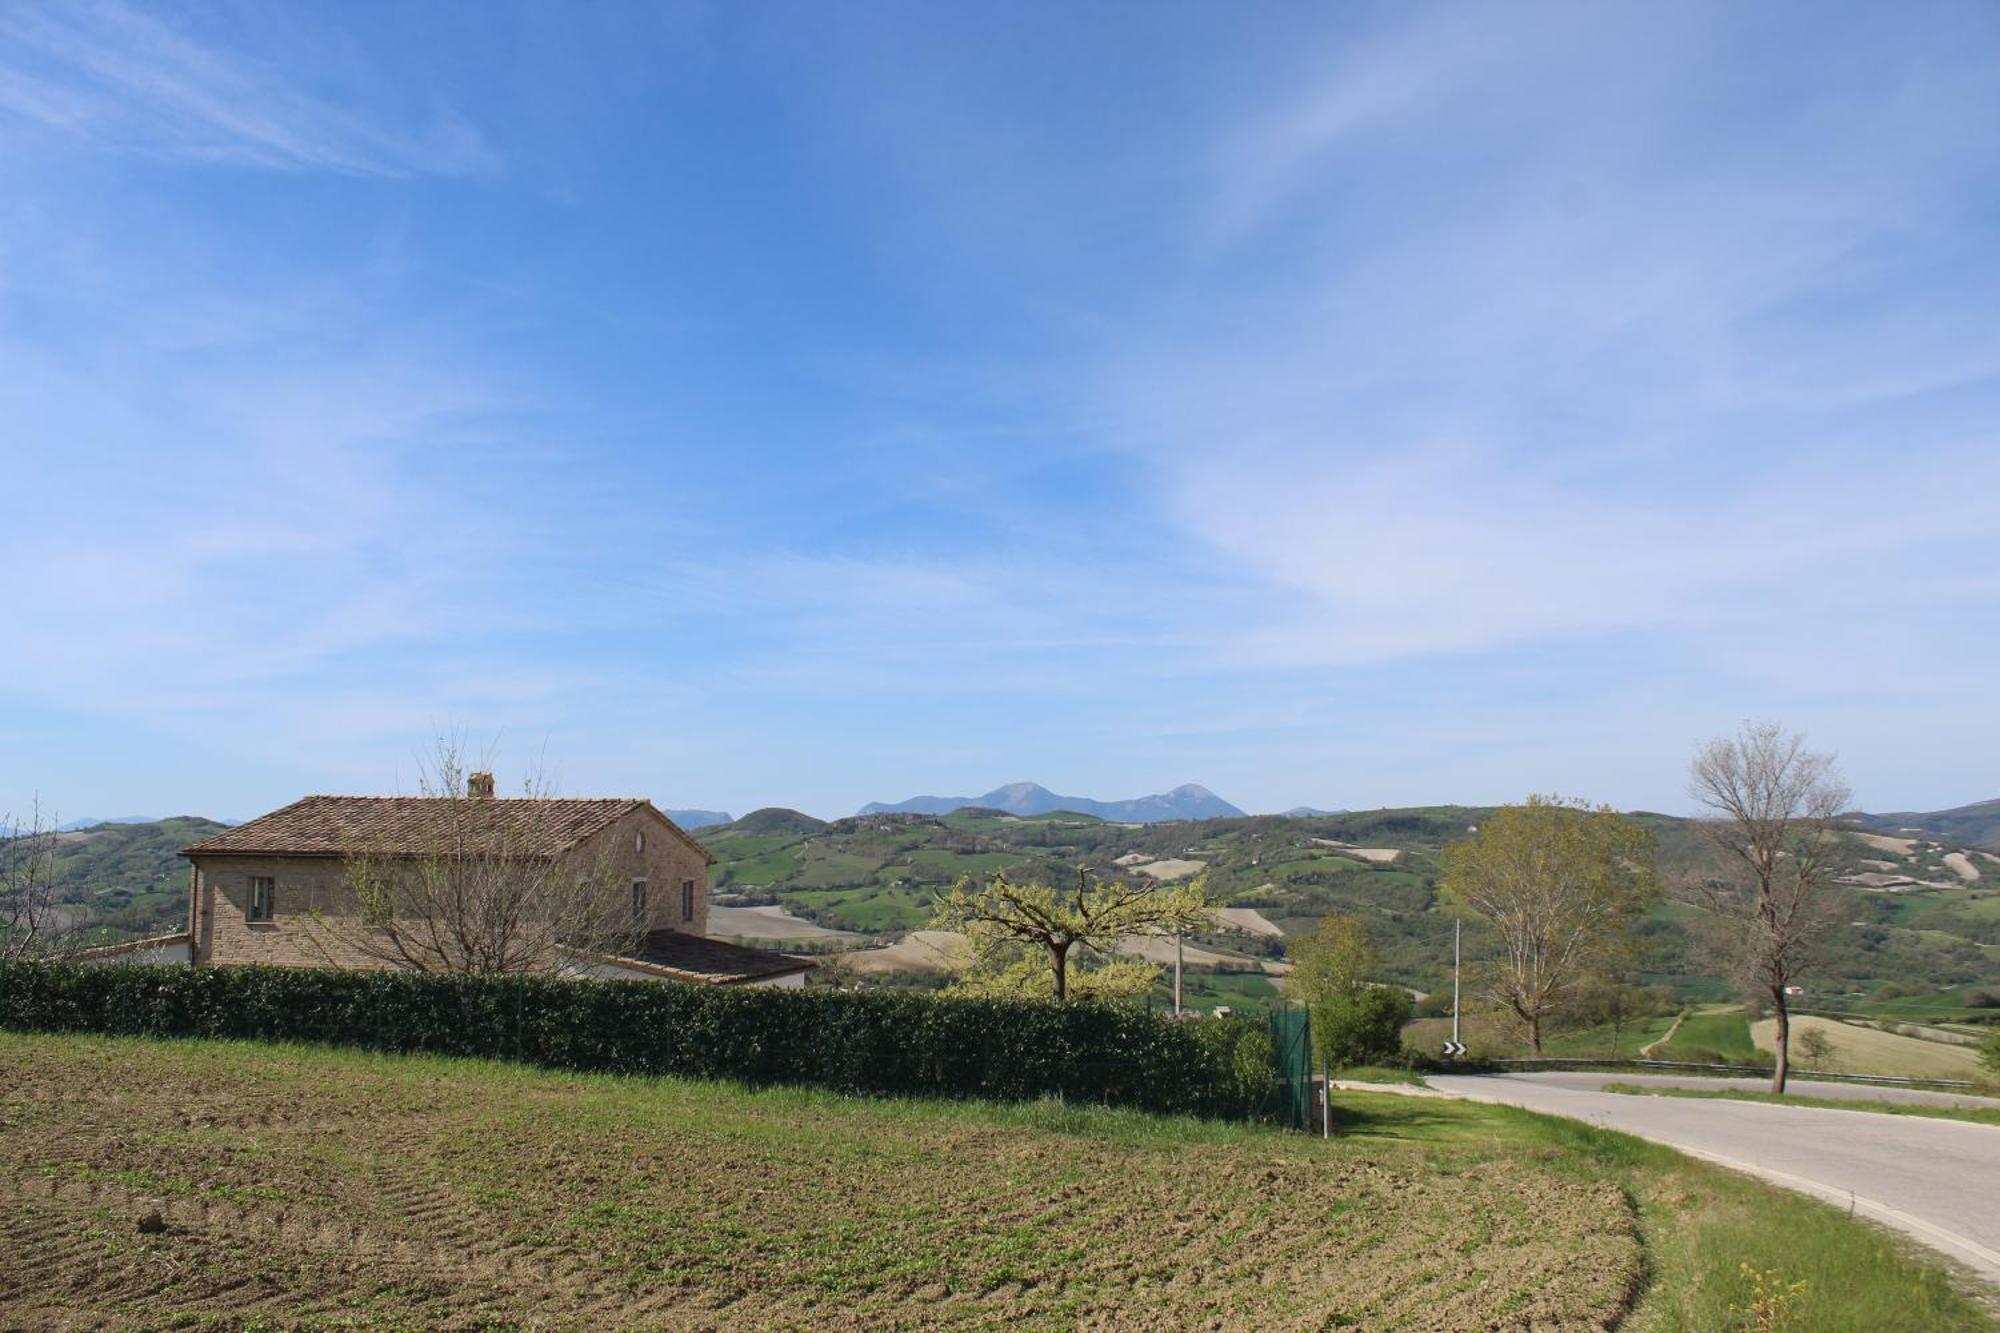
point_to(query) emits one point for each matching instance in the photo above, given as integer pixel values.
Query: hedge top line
(881, 1042)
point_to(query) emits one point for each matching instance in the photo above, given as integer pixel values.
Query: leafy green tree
(1815, 1048)
(1561, 883)
(1005, 922)
(1361, 1027)
(1609, 1003)
(1354, 1021)
(1337, 956)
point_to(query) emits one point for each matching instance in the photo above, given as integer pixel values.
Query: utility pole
(1177, 974)
(1455, 927)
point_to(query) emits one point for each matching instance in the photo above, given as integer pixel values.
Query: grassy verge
(1380, 1074)
(1978, 1115)
(1702, 1225)
(300, 1187)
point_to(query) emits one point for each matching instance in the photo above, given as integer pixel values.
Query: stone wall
(303, 885)
(665, 863)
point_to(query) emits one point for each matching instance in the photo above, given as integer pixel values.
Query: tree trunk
(1059, 963)
(1783, 1040)
(1535, 1034)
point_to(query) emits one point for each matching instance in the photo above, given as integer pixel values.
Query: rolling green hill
(131, 874)
(1937, 929)
(876, 874)
(1976, 825)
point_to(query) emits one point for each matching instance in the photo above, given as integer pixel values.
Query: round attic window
(639, 841)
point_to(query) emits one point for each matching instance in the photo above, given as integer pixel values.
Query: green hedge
(880, 1042)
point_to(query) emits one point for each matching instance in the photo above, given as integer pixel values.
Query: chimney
(479, 786)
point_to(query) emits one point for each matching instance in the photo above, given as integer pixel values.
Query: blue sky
(749, 405)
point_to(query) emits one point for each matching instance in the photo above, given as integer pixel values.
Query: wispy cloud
(125, 79)
(1436, 402)
(1500, 344)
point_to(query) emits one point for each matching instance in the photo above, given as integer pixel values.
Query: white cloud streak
(124, 79)
(1480, 365)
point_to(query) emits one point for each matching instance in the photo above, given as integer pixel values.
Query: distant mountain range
(699, 818)
(1031, 798)
(1977, 824)
(93, 821)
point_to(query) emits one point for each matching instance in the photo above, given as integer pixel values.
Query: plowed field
(201, 1184)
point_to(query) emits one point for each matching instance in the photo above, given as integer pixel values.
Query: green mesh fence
(1291, 1042)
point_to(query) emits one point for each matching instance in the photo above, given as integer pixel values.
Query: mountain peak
(1015, 791)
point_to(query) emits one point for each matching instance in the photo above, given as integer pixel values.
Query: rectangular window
(687, 900)
(638, 900)
(263, 899)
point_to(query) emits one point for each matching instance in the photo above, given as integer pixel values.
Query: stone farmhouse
(257, 891)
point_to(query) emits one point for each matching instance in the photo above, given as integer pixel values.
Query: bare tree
(1561, 883)
(1773, 806)
(1004, 919)
(34, 920)
(481, 885)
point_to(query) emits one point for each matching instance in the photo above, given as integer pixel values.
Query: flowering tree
(1018, 931)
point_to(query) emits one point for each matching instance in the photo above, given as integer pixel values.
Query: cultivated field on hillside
(1865, 1050)
(315, 1184)
(765, 923)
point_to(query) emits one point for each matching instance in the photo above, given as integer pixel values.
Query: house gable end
(693, 844)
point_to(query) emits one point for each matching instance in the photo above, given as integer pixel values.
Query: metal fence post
(1325, 1098)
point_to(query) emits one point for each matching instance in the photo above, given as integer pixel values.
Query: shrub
(1243, 1051)
(1982, 999)
(1989, 1053)
(879, 1042)
(1362, 1026)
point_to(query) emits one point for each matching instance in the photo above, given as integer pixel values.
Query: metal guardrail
(1733, 1071)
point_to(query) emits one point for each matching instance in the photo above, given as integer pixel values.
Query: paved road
(1800, 1087)
(1937, 1180)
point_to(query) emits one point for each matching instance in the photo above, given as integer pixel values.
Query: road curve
(1936, 1180)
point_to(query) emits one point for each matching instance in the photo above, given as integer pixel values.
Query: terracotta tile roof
(410, 825)
(692, 958)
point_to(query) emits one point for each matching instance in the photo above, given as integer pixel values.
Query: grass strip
(1380, 1074)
